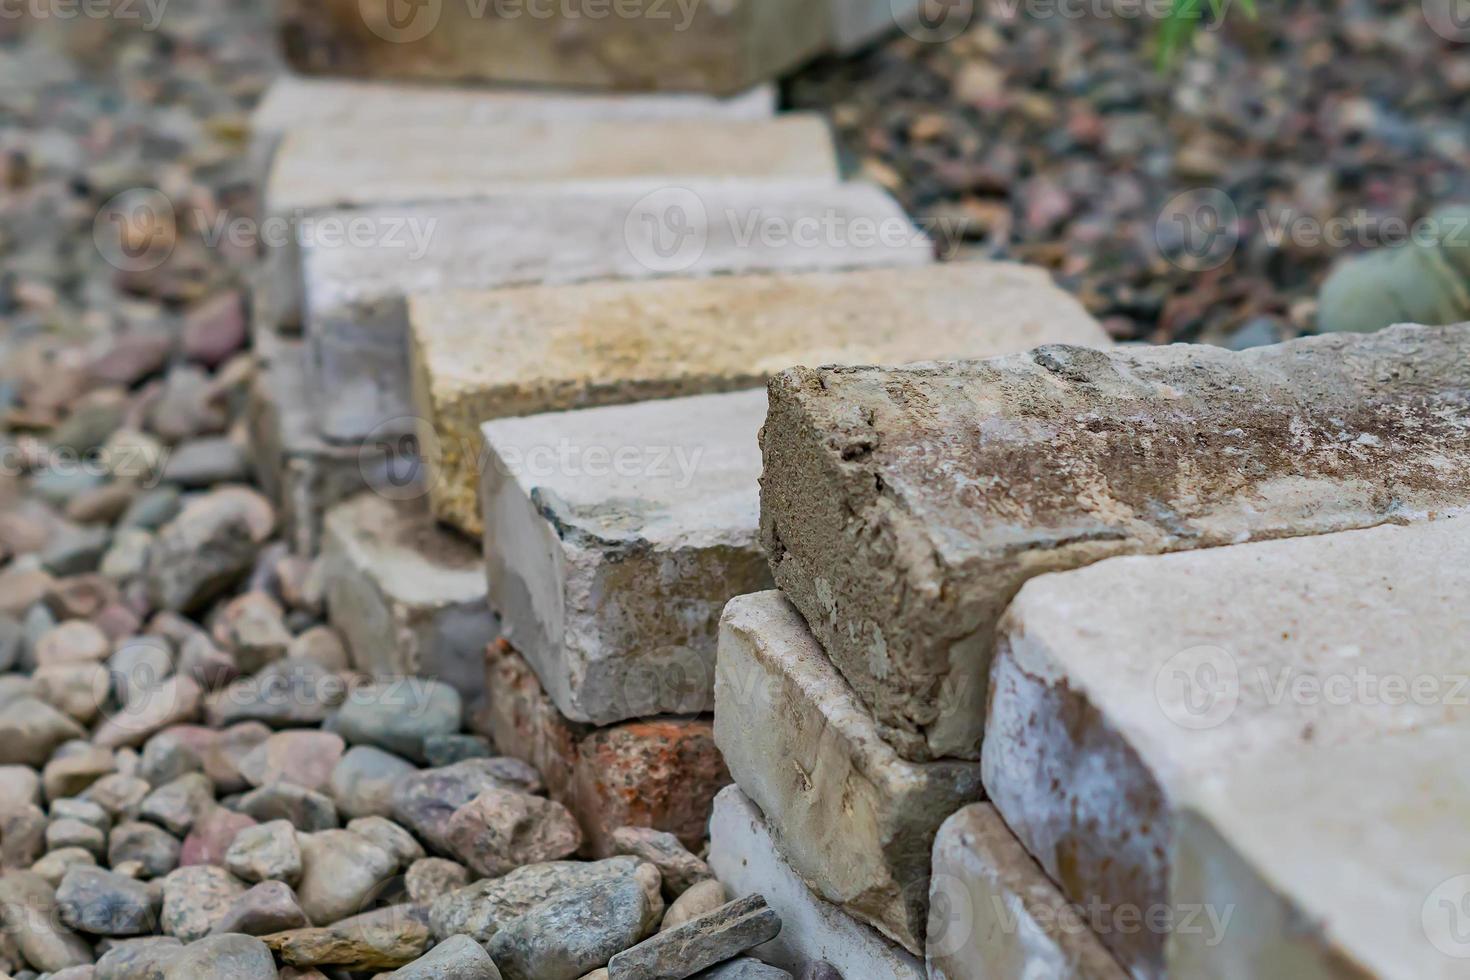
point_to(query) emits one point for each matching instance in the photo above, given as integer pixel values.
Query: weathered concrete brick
(858, 23)
(994, 913)
(408, 597)
(1122, 689)
(355, 294)
(708, 47)
(492, 354)
(745, 859)
(324, 168)
(319, 167)
(658, 772)
(296, 468)
(613, 538)
(851, 817)
(1331, 861)
(902, 509)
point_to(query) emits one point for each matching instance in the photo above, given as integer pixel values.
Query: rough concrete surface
(851, 817)
(903, 509)
(1122, 688)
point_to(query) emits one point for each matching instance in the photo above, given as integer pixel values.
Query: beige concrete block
(994, 913)
(613, 538)
(746, 861)
(646, 45)
(1341, 860)
(849, 816)
(1121, 689)
(903, 509)
(544, 349)
(408, 597)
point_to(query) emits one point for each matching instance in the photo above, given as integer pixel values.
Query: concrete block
(1121, 689)
(301, 473)
(745, 859)
(659, 772)
(994, 913)
(356, 294)
(613, 538)
(849, 816)
(538, 349)
(408, 598)
(706, 47)
(903, 509)
(1330, 861)
(858, 23)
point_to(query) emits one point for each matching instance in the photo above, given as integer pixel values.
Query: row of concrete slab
(586, 389)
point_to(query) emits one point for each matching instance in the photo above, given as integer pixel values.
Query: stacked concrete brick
(905, 509)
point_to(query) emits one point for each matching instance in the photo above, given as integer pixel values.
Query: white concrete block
(994, 913)
(852, 818)
(744, 857)
(613, 538)
(858, 23)
(1345, 859)
(355, 288)
(408, 597)
(1123, 687)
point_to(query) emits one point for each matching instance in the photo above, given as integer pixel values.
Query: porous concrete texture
(746, 861)
(408, 598)
(852, 818)
(495, 353)
(302, 473)
(355, 293)
(320, 167)
(995, 913)
(903, 508)
(658, 772)
(650, 45)
(613, 538)
(1331, 861)
(1122, 688)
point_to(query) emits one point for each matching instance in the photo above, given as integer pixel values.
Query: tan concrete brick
(1331, 861)
(544, 349)
(657, 772)
(408, 598)
(1122, 689)
(356, 293)
(649, 45)
(995, 913)
(852, 818)
(903, 509)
